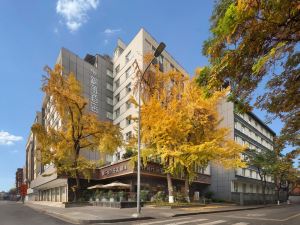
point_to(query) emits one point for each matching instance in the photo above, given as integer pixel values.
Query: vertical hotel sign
(94, 102)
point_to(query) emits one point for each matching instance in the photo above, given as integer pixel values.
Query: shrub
(159, 196)
(218, 200)
(129, 153)
(144, 195)
(180, 197)
(208, 194)
(110, 194)
(121, 195)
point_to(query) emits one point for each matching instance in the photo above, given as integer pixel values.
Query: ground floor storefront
(246, 191)
(153, 182)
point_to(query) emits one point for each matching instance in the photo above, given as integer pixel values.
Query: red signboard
(23, 190)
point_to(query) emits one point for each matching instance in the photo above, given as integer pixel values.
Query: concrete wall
(220, 177)
(294, 199)
(85, 72)
(221, 182)
(251, 198)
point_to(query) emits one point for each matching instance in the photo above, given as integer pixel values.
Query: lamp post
(157, 53)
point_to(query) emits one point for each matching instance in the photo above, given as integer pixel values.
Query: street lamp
(157, 53)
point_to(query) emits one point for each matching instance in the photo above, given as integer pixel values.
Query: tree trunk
(277, 193)
(186, 185)
(264, 191)
(170, 188)
(288, 191)
(77, 189)
(77, 177)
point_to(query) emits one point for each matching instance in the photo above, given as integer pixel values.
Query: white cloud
(8, 139)
(75, 12)
(111, 31)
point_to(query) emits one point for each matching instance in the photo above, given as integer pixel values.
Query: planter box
(77, 204)
(118, 205)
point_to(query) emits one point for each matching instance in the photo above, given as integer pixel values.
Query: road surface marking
(155, 222)
(214, 222)
(190, 221)
(256, 214)
(265, 219)
(241, 223)
(252, 218)
(290, 217)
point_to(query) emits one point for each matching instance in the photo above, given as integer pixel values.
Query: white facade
(125, 78)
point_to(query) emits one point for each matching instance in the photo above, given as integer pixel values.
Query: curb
(80, 221)
(128, 219)
(114, 220)
(220, 211)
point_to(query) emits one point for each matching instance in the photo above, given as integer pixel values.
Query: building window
(244, 188)
(128, 57)
(243, 128)
(109, 115)
(243, 142)
(161, 63)
(109, 87)
(117, 83)
(128, 120)
(117, 112)
(118, 156)
(243, 172)
(128, 72)
(117, 69)
(251, 188)
(117, 98)
(109, 101)
(148, 45)
(128, 135)
(235, 187)
(235, 124)
(128, 88)
(128, 104)
(109, 73)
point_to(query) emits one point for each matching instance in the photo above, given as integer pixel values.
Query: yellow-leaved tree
(80, 129)
(180, 125)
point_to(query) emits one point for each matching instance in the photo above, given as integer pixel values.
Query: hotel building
(108, 85)
(242, 185)
(95, 75)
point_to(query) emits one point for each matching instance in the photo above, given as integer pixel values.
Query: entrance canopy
(96, 186)
(116, 185)
(113, 185)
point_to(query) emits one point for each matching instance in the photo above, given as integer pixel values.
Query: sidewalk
(96, 214)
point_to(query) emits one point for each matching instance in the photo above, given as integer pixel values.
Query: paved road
(281, 215)
(12, 213)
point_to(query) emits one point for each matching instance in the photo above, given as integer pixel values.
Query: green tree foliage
(283, 171)
(255, 40)
(277, 165)
(262, 161)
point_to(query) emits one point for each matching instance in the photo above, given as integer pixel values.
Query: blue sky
(33, 31)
